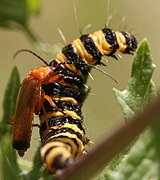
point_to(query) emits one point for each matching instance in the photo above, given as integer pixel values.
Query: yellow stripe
(62, 58)
(62, 82)
(68, 99)
(72, 114)
(53, 154)
(121, 41)
(87, 58)
(73, 148)
(68, 139)
(48, 115)
(98, 39)
(48, 146)
(71, 126)
(67, 142)
(76, 150)
(103, 46)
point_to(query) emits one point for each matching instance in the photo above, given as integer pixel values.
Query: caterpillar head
(131, 43)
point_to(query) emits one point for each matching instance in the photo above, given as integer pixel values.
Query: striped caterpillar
(64, 139)
(55, 93)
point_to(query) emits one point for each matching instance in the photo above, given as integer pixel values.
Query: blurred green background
(101, 111)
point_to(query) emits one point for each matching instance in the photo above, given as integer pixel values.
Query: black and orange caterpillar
(62, 134)
(89, 49)
(55, 92)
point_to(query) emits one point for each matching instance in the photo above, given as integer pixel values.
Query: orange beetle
(29, 103)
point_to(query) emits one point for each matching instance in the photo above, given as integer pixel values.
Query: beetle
(29, 103)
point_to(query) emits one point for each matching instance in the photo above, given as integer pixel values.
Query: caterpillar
(57, 97)
(63, 137)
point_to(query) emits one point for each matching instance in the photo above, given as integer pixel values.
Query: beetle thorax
(42, 73)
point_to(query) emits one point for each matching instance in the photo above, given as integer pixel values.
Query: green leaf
(36, 171)
(10, 95)
(33, 7)
(10, 169)
(140, 87)
(16, 12)
(141, 160)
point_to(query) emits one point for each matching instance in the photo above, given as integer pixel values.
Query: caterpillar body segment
(89, 49)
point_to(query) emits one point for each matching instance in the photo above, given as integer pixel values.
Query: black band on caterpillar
(90, 47)
(59, 121)
(74, 57)
(56, 89)
(62, 105)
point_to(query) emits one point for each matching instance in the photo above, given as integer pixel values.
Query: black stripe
(60, 163)
(57, 161)
(48, 151)
(69, 76)
(57, 89)
(90, 47)
(59, 121)
(131, 43)
(134, 43)
(61, 136)
(110, 37)
(127, 38)
(63, 105)
(74, 58)
(59, 131)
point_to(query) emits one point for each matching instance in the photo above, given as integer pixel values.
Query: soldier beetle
(29, 103)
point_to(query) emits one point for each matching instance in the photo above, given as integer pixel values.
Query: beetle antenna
(31, 52)
(104, 72)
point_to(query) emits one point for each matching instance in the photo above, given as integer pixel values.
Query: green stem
(33, 38)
